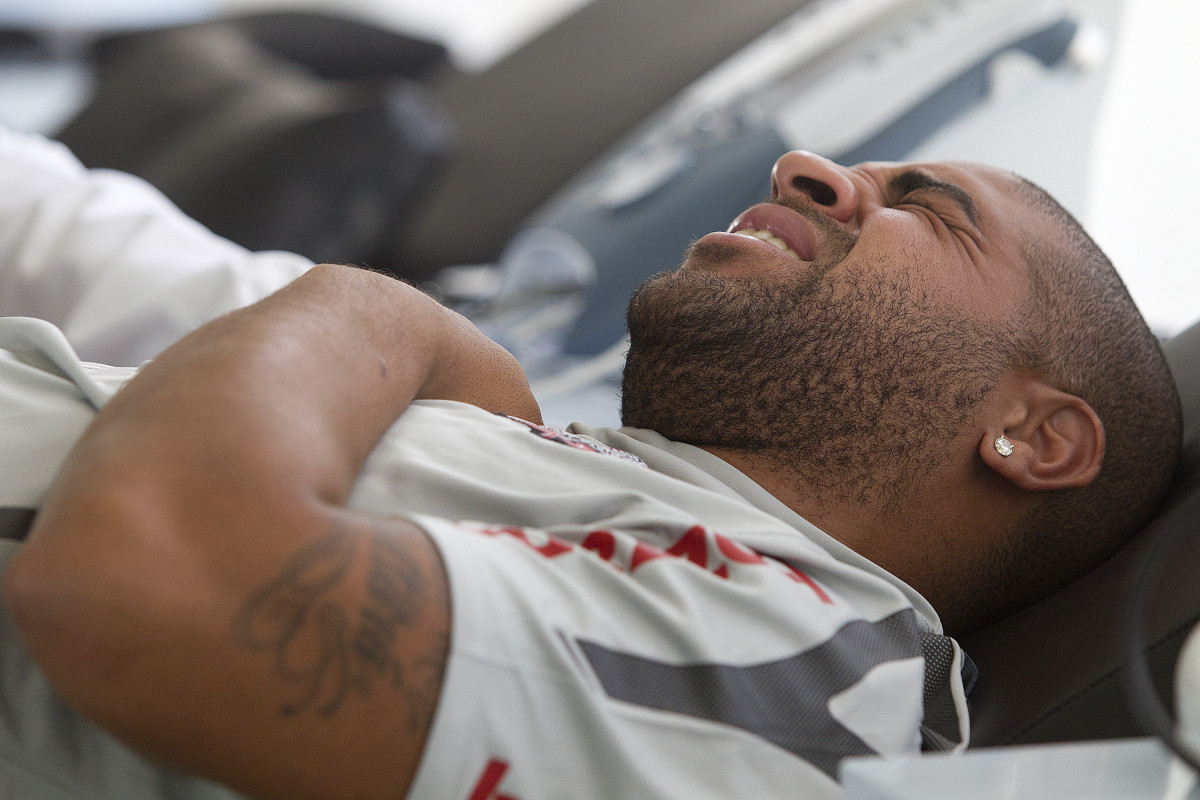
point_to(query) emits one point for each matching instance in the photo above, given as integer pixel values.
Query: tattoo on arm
(329, 648)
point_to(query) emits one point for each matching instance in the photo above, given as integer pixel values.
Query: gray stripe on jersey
(785, 702)
(940, 726)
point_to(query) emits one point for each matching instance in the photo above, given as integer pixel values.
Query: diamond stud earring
(1003, 446)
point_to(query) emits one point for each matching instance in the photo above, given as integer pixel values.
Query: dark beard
(852, 383)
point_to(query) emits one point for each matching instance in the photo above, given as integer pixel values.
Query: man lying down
(323, 547)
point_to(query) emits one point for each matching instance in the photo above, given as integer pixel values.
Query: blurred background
(531, 160)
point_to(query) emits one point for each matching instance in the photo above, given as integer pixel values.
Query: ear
(1057, 440)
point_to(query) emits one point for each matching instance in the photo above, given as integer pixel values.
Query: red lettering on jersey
(553, 547)
(737, 552)
(643, 553)
(492, 774)
(693, 546)
(800, 577)
(602, 543)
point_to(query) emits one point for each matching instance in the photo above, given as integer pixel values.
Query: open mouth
(782, 228)
(770, 239)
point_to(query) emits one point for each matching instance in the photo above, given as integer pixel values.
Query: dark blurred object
(21, 44)
(343, 141)
(533, 121)
(288, 131)
(340, 48)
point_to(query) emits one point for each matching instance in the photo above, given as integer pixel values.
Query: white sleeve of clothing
(111, 261)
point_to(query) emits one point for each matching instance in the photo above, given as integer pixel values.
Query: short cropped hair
(1086, 335)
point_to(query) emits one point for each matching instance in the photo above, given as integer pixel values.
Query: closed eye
(908, 185)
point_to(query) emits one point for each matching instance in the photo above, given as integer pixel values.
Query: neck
(833, 516)
(935, 538)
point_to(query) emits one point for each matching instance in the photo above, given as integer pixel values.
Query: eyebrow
(914, 179)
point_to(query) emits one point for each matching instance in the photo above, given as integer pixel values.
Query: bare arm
(194, 583)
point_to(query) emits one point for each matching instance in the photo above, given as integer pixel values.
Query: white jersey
(631, 616)
(620, 632)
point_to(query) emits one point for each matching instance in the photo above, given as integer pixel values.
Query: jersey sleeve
(110, 261)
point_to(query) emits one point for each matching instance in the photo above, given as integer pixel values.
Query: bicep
(311, 668)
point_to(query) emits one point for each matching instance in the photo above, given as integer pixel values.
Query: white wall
(1116, 144)
(1144, 196)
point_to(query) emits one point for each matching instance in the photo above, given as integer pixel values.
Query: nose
(804, 174)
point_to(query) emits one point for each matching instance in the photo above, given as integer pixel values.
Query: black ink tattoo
(330, 652)
(388, 606)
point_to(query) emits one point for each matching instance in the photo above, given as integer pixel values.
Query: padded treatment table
(1053, 672)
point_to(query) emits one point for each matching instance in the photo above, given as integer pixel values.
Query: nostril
(821, 193)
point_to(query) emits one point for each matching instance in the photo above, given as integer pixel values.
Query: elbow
(19, 590)
(40, 611)
(54, 625)
(74, 606)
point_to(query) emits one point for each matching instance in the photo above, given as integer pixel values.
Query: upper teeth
(769, 238)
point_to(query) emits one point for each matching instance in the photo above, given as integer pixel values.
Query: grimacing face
(845, 329)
